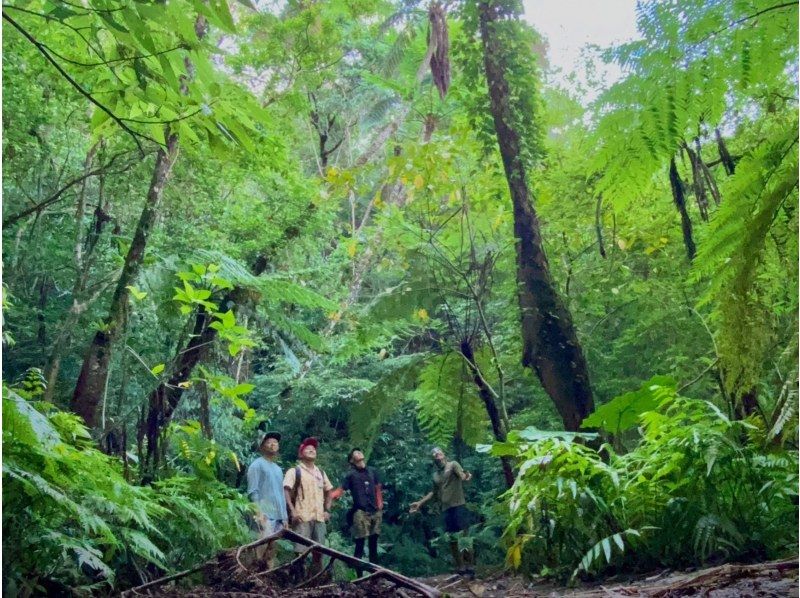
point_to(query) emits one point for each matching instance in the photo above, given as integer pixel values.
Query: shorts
(270, 526)
(267, 551)
(456, 519)
(313, 530)
(366, 524)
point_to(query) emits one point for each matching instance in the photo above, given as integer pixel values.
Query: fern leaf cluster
(74, 519)
(447, 402)
(681, 80)
(693, 488)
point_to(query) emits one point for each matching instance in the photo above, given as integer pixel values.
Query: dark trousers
(373, 549)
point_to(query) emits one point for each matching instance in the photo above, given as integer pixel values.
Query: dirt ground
(776, 579)
(227, 576)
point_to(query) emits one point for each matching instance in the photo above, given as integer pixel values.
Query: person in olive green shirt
(448, 489)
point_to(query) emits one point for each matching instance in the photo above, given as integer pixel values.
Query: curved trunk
(550, 343)
(91, 383)
(498, 429)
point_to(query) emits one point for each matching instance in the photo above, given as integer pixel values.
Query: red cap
(307, 442)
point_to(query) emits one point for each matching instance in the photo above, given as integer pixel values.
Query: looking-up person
(308, 498)
(265, 489)
(364, 485)
(448, 489)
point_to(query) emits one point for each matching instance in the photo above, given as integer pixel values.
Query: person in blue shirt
(265, 489)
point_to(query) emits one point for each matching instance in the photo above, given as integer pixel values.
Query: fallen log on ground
(226, 575)
(730, 580)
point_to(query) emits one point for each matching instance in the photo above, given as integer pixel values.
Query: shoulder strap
(297, 490)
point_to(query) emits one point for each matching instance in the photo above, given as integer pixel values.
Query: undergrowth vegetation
(73, 522)
(696, 487)
(391, 225)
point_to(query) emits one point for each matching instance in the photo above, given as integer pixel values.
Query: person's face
(270, 446)
(358, 460)
(309, 453)
(438, 457)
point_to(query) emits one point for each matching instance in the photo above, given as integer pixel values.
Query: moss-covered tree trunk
(550, 343)
(90, 387)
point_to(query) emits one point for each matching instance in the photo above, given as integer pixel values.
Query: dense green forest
(383, 223)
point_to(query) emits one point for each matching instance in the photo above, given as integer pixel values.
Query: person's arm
(379, 496)
(288, 484)
(252, 491)
(327, 488)
(459, 471)
(252, 483)
(415, 506)
(337, 493)
(287, 492)
(378, 490)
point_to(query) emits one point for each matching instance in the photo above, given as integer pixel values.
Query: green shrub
(697, 486)
(75, 522)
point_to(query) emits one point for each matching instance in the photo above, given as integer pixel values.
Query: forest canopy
(388, 225)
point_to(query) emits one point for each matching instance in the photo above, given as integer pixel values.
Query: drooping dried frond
(440, 58)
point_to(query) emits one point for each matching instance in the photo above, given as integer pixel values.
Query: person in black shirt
(364, 485)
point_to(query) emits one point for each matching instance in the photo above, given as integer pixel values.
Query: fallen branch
(377, 572)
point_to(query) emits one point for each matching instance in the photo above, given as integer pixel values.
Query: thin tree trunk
(64, 334)
(94, 371)
(712, 184)
(164, 399)
(205, 413)
(697, 182)
(486, 395)
(44, 292)
(724, 155)
(680, 203)
(550, 343)
(598, 226)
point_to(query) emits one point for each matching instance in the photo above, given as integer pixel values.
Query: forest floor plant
(73, 523)
(697, 487)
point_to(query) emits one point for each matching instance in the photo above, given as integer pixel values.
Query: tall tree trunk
(94, 371)
(680, 203)
(498, 429)
(550, 343)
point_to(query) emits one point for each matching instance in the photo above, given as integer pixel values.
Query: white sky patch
(570, 26)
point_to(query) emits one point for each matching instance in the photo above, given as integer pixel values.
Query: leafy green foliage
(76, 521)
(727, 57)
(622, 412)
(447, 402)
(757, 219)
(343, 290)
(692, 489)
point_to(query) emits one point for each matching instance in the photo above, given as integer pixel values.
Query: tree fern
(681, 76)
(382, 400)
(73, 517)
(447, 402)
(765, 183)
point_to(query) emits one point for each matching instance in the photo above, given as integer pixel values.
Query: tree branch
(57, 195)
(748, 18)
(39, 46)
